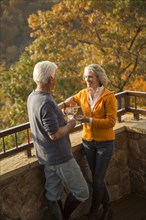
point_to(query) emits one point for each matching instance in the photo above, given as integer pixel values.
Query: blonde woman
(99, 109)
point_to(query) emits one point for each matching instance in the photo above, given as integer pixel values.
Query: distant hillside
(14, 33)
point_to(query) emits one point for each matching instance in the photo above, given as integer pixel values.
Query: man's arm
(63, 130)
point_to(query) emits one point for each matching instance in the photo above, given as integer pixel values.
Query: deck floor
(130, 207)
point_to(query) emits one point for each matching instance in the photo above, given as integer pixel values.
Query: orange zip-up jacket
(103, 115)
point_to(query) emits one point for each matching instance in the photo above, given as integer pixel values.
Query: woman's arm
(69, 101)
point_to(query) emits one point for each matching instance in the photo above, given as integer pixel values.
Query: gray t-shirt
(45, 118)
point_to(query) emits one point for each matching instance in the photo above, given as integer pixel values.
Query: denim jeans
(99, 155)
(68, 173)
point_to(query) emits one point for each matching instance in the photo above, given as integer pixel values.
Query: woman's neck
(92, 91)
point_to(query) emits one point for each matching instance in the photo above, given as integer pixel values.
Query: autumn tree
(4, 100)
(76, 33)
(16, 84)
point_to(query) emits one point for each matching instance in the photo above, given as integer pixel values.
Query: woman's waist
(98, 134)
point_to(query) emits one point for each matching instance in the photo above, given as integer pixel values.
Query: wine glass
(71, 111)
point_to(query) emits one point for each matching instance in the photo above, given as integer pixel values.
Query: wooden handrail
(124, 100)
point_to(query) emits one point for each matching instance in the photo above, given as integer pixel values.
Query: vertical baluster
(4, 148)
(28, 139)
(136, 115)
(16, 143)
(135, 102)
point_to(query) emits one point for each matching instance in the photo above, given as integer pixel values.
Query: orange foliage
(139, 84)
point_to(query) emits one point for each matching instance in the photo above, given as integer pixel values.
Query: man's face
(52, 82)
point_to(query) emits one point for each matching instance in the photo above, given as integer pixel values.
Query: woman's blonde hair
(99, 72)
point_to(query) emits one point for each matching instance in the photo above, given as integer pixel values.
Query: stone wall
(22, 197)
(137, 161)
(118, 178)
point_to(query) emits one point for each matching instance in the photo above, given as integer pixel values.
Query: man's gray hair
(99, 72)
(43, 70)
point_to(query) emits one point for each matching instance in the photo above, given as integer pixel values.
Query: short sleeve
(50, 118)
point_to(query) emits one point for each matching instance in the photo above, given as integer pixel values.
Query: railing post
(119, 118)
(28, 150)
(136, 116)
(119, 103)
(29, 154)
(127, 101)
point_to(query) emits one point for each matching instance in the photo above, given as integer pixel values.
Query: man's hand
(62, 131)
(72, 123)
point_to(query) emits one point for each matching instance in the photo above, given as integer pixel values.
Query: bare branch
(134, 54)
(99, 39)
(110, 81)
(114, 85)
(132, 71)
(141, 46)
(134, 38)
(85, 42)
(98, 36)
(136, 63)
(119, 64)
(124, 69)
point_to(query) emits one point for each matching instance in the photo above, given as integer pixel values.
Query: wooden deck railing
(131, 101)
(128, 101)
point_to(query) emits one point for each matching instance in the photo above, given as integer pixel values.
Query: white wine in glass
(72, 111)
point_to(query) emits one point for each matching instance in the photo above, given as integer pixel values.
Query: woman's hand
(82, 118)
(69, 101)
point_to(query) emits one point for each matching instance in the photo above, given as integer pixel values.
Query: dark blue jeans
(99, 155)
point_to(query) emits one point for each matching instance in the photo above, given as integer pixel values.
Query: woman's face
(91, 79)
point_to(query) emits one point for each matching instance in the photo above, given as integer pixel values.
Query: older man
(50, 134)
